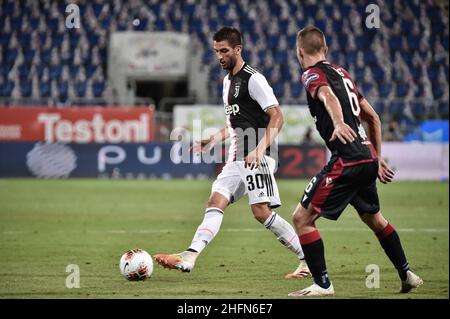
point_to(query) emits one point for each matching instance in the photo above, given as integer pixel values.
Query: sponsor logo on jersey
(328, 181)
(231, 109)
(310, 77)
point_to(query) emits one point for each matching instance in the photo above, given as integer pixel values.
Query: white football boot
(184, 261)
(313, 291)
(412, 281)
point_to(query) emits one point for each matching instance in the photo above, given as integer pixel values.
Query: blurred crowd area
(401, 67)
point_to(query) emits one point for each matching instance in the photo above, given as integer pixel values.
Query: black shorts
(340, 184)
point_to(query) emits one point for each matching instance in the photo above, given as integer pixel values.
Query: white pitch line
(234, 230)
(150, 231)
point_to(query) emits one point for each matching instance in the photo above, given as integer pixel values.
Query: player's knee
(261, 212)
(298, 217)
(211, 203)
(217, 201)
(376, 222)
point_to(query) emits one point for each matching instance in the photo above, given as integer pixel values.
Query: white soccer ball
(136, 264)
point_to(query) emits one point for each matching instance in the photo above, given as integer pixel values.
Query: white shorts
(236, 180)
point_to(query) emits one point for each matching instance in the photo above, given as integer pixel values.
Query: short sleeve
(312, 80)
(260, 90)
(360, 96)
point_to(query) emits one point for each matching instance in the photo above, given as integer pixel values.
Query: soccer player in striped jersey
(253, 119)
(350, 176)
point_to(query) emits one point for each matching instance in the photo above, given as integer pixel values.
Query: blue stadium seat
(296, 89)
(278, 88)
(418, 109)
(25, 88)
(396, 108)
(8, 8)
(286, 72)
(98, 87)
(351, 57)
(384, 89)
(45, 56)
(443, 109)
(28, 56)
(90, 70)
(378, 73)
(7, 87)
(283, 26)
(177, 25)
(438, 91)
(45, 88)
(159, 25)
(39, 69)
(24, 39)
(57, 39)
(16, 23)
(63, 89)
(80, 88)
(189, 9)
(272, 41)
(11, 55)
(155, 7)
(366, 87)
(24, 71)
(222, 10)
(402, 88)
(195, 26)
(55, 72)
(280, 57)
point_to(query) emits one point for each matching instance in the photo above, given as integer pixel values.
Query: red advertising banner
(77, 124)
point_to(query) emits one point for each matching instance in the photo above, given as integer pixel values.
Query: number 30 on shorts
(259, 181)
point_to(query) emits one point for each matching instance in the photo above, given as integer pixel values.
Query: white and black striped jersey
(246, 97)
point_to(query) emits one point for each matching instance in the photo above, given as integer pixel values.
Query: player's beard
(230, 65)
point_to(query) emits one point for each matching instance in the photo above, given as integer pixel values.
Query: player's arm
(276, 121)
(341, 130)
(368, 114)
(208, 143)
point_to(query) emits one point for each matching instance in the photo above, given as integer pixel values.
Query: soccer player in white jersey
(253, 119)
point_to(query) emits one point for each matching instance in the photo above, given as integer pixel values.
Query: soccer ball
(136, 264)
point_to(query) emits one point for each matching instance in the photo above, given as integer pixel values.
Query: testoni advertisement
(80, 125)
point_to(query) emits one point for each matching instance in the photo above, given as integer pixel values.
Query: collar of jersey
(312, 66)
(243, 64)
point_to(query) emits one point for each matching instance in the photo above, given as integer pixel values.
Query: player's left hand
(385, 174)
(252, 159)
(344, 133)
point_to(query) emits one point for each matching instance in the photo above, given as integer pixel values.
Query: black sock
(392, 246)
(314, 252)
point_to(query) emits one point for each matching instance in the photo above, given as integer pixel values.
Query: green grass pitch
(47, 224)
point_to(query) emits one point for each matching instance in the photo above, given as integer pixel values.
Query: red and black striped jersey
(345, 89)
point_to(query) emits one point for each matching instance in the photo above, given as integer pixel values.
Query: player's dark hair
(311, 39)
(230, 34)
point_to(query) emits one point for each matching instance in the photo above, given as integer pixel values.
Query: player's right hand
(385, 174)
(344, 133)
(201, 146)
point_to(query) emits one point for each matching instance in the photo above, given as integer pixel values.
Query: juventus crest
(236, 89)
